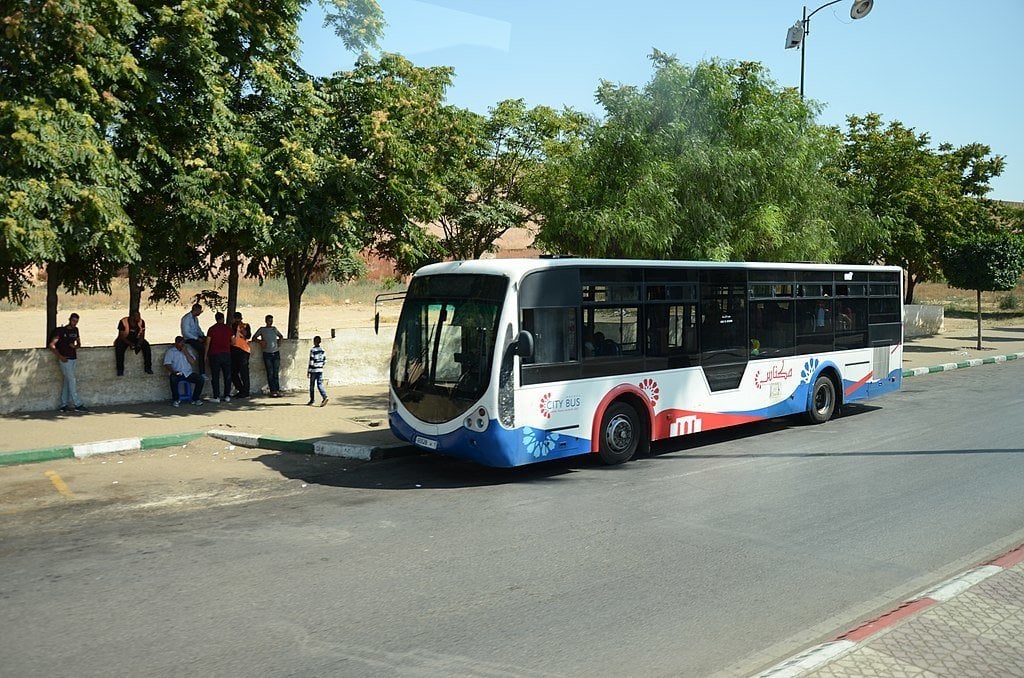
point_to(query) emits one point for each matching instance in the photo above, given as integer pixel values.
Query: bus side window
(554, 334)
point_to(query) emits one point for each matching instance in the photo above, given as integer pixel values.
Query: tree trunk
(979, 320)
(296, 286)
(232, 286)
(911, 283)
(134, 289)
(53, 276)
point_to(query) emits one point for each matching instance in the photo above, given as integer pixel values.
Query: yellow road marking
(58, 483)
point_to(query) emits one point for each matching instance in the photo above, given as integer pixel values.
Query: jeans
(272, 361)
(316, 380)
(240, 371)
(147, 354)
(197, 385)
(220, 367)
(69, 391)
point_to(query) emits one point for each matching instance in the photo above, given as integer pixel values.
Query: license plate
(426, 442)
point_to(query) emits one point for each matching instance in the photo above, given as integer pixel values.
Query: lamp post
(797, 33)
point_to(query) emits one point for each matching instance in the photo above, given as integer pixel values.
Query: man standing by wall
(269, 337)
(64, 343)
(193, 335)
(218, 352)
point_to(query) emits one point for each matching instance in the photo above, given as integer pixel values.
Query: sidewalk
(970, 625)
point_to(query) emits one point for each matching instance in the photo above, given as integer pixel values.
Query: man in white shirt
(194, 336)
(180, 364)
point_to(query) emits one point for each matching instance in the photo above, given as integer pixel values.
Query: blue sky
(952, 69)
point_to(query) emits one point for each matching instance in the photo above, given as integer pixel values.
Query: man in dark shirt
(218, 352)
(64, 343)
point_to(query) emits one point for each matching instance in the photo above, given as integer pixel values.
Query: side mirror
(524, 344)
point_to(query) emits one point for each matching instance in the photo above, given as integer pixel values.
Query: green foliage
(62, 185)
(711, 162)
(345, 265)
(984, 261)
(922, 197)
(489, 192)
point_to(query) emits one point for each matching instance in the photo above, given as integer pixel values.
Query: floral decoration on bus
(651, 390)
(810, 367)
(539, 443)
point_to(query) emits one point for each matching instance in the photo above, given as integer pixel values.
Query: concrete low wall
(30, 379)
(922, 321)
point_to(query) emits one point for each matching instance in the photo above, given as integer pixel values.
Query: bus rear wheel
(823, 401)
(620, 434)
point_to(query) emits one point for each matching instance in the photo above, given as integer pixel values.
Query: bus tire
(620, 434)
(823, 400)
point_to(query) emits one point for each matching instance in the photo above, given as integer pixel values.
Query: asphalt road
(719, 556)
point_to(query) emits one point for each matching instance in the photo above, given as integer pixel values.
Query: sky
(954, 70)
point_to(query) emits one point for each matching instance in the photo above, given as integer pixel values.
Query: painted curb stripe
(106, 447)
(899, 614)
(961, 583)
(810, 660)
(329, 449)
(243, 439)
(32, 456)
(283, 445)
(948, 367)
(172, 440)
(1010, 559)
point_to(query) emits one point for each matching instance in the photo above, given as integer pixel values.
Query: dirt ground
(26, 328)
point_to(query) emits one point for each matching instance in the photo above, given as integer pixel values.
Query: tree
(352, 161)
(65, 77)
(922, 197)
(984, 262)
(489, 195)
(713, 161)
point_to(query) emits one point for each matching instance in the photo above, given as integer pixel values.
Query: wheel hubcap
(823, 400)
(619, 433)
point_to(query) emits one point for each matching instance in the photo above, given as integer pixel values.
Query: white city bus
(513, 361)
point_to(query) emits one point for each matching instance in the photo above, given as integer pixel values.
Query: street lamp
(796, 36)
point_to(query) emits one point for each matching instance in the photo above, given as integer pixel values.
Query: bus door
(723, 327)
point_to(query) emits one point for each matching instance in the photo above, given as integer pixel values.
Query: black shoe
(120, 374)
(81, 408)
(149, 371)
(310, 402)
(64, 408)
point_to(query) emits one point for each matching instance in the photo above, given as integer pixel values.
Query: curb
(101, 447)
(948, 367)
(819, 655)
(324, 448)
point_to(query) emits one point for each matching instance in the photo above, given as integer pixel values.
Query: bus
(507, 362)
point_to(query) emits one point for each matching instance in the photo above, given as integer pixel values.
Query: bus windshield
(444, 345)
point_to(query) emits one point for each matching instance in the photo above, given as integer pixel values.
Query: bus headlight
(477, 421)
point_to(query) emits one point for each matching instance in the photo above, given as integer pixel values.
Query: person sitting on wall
(131, 334)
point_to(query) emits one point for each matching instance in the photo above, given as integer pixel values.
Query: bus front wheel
(620, 434)
(823, 401)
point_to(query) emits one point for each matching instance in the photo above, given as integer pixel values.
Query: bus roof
(517, 268)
